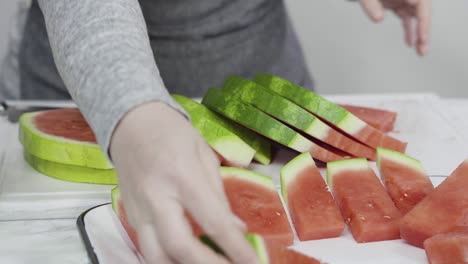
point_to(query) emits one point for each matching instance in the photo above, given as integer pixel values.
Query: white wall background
(349, 54)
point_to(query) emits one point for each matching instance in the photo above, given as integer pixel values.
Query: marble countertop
(57, 240)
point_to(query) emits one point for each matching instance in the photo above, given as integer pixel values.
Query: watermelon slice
(71, 173)
(62, 136)
(254, 199)
(262, 123)
(118, 208)
(381, 119)
(232, 149)
(293, 115)
(363, 201)
(311, 206)
(441, 211)
(199, 112)
(449, 248)
(404, 177)
(330, 112)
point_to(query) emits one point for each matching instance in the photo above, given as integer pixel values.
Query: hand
(165, 168)
(407, 10)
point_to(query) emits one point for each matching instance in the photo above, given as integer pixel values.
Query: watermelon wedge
(293, 115)
(363, 201)
(71, 173)
(199, 112)
(441, 211)
(311, 205)
(448, 248)
(61, 136)
(232, 149)
(383, 120)
(254, 199)
(262, 123)
(330, 112)
(404, 177)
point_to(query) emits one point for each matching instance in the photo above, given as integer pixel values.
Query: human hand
(407, 10)
(165, 169)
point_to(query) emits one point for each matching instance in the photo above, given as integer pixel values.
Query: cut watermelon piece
(199, 112)
(332, 113)
(311, 205)
(363, 201)
(404, 177)
(254, 199)
(383, 120)
(233, 150)
(118, 208)
(271, 253)
(441, 211)
(62, 136)
(262, 123)
(71, 173)
(293, 115)
(449, 248)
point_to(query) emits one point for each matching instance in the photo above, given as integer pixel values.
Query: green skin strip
(251, 117)
(198, 111)
(257, 242)
(59, 149)
(398, 157)
(303, 97)
(270, 103)
(115, 195)
(71, 173)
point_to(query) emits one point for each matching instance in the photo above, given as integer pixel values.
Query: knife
(13, 109)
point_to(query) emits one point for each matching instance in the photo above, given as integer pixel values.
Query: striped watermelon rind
(398, 157)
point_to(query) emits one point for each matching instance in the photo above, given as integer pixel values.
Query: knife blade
(13, 109)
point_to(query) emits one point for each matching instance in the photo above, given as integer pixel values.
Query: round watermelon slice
(61, 136)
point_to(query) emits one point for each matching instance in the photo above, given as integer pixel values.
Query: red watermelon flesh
(383, 120)
(311, 205)
(131, 232)
(441, 211)
(448, 248)
(365, 205)
(404, 177)
(279, 254)
(67, 123)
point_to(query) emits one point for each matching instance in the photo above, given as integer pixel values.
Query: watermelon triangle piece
(313, 210)
(364, 203)
(381, 119)
(288, 112)
(61, 136)
(404, 177)
(330, 112)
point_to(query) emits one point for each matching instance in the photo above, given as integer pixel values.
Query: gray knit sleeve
(102, 51)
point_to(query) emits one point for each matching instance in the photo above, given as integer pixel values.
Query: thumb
(374, 9)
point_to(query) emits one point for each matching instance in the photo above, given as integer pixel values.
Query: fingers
(423, 14)
(407, 20)
(374, 9)
(150, 247)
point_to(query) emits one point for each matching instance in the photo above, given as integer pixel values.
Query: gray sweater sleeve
(102, 51)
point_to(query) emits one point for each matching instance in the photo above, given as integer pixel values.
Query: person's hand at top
(415, 16)
(165, 169)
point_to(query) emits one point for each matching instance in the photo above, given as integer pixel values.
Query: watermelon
(233, 150)
(264, 124)
(448, 248)
(381, 119)
(254, 199)
(71, 173)
(199, 112)
(293, 115)
(61, 136)
(330, 112)
(365, 205)
(311, 205)
(441, 211)
(118, 208)
(404, 177)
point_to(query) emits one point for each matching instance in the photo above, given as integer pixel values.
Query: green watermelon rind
(292, 169)
(59, 149)
(335, 167)
(258, 244)
(400, 158)
(71, 173)
(248, 175)
(115, 196)
(255, 119)
(313, 102)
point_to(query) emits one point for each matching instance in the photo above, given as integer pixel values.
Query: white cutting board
(26, 194)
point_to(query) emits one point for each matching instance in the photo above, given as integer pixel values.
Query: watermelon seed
(386, 216)
(405, 195)
(277, 213)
